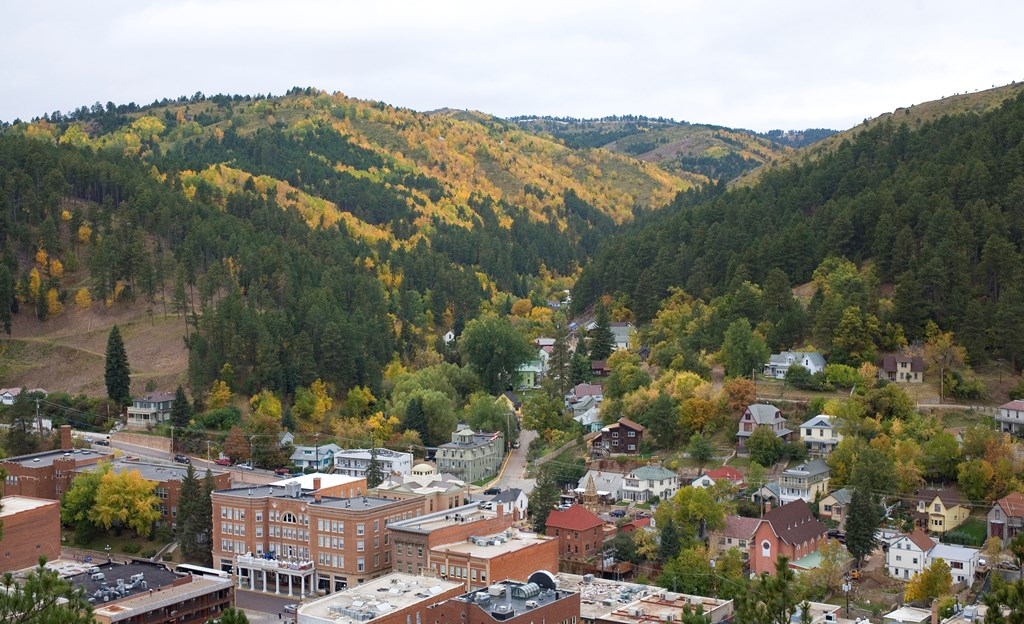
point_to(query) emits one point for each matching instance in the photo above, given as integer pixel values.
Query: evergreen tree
(116, 372)
(374, 470)
(416, 418)
(560, 362)
(668, 541)
(862, 523)
(6, 297)
(601, 339)
(205, 516)
(188, 518)
(42, 597)
(181, 410)
(21, 437)
(770, 599)
(743, 350)
(233, 615)
(543, 498)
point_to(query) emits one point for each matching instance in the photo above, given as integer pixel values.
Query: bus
(194, 570)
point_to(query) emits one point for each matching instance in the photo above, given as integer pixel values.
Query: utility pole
(208, 451)
(39, 421)
(316, 442)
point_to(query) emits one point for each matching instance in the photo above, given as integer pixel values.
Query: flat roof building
(48, 474)
(510, 602)
(389, 599)
(143, 593)
(31, 529)
(604, 601)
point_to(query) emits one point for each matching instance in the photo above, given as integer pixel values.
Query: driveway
(514, 475)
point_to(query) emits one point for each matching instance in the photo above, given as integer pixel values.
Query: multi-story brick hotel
(296, 536)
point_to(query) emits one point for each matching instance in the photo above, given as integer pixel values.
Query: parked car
(619, 513)
(223, 461)
(102, 442)
(182, 459)
(284, 472)
(291, 608)
(245, 466)
(492, 491)
(839, 536)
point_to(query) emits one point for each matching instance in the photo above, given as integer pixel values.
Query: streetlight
(252, 441)
(107, 548)
(847, 586)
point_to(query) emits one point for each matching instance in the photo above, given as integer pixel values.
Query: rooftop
(953, 552)
(505, 600)
(653, 472)
(164, 597)
(326, 480)
(17, 504)
(440, 519)
(376, 598)
(121, 581)
(488, 547)
(358, 503)
(157, 472)
(577, 518)
(813, 467)
(601, 596)
(47, 458)
(821, 420)
(156, 397)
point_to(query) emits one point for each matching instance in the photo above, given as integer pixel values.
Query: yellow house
(940, 510)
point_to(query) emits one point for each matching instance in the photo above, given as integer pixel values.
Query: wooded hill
(714, 152)
(931, 217)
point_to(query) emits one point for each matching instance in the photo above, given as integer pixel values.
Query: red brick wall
(220, 482)
(423, 608)
(29, 535)
(462, 531)
(578, 544)
(519, 565)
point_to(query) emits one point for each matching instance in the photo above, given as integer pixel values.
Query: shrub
(149, 553)
(131, 548)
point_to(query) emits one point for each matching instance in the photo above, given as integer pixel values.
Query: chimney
(65, 438)
(935, 612)
(316, 489)
(767, 506)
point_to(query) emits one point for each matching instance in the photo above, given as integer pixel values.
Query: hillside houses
(779, 363)
(912, 554)
(820, 435)
(940, 510)
(761, 415)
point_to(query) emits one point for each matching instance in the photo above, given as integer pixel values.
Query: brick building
(31, 528)
(471, 545)
(791, 531)
(538, 600)
(397, 598)
(147, 593)
(48, 474)
(435, 491)
(288, 539)
(580, 533)
(168, 481)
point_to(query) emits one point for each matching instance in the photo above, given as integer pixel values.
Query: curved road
(514, 473)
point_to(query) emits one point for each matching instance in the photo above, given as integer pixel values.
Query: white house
(779, 363)
(513, 501)
(608, 484)
(805, 481)
(8, 395)
(911, 554)
(820, 435)
(907, 555)
(449, 337)
(319, 457)
(962, 560)
(355, 462)
(647, 482)
(1011, 417)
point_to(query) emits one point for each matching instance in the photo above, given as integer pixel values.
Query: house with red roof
(580, 533)
(633, 525)
(788, 531)
(906, 556)
(1006, 518)
(623, 436)
(725, 472)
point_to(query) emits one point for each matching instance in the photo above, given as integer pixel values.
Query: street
(264, 608)
(514, 475)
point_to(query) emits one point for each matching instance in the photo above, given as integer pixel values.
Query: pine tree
(543, 498)
(416, 418)
(374, 470)
(560, 362)
(42, 597)
(206, 517)
(6, 297)
(601, 338)
(861, 524)
(21, 437)
(116, 373)
(189, 510)
(181, 411)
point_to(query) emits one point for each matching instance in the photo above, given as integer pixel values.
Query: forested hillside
(714, 152)
(928, 222)
(301, 236)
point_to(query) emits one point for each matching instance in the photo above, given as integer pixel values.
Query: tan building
(31, 529)
(393, 599)
(289, 540)
(436, 492)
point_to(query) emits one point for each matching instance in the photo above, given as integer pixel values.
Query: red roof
(725, 472)
(635, 524)
(1012, 504)
(1013, 405)
(575, 518)
(921, 540)
(740, 527)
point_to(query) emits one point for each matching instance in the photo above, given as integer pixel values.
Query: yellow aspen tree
(56, 268)
(53, 304)
(220, 395)
(84, 233)
(41, 257)
(83, 300)
(34, 282)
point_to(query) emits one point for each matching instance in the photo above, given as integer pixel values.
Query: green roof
(808, 562)
(653, 472)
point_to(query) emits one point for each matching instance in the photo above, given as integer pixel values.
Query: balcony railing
(259, 563)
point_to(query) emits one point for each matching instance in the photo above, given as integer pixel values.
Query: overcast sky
(755, 64)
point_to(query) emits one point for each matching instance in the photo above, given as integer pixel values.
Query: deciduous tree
(494, 349)
(126, 498)
(934, 582)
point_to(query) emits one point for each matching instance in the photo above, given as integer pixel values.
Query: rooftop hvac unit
(531, 604)
(830, 617)
(588, 578)
(98, 576)
(496, 590)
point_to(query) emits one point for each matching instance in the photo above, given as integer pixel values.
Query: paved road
(515, 470)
